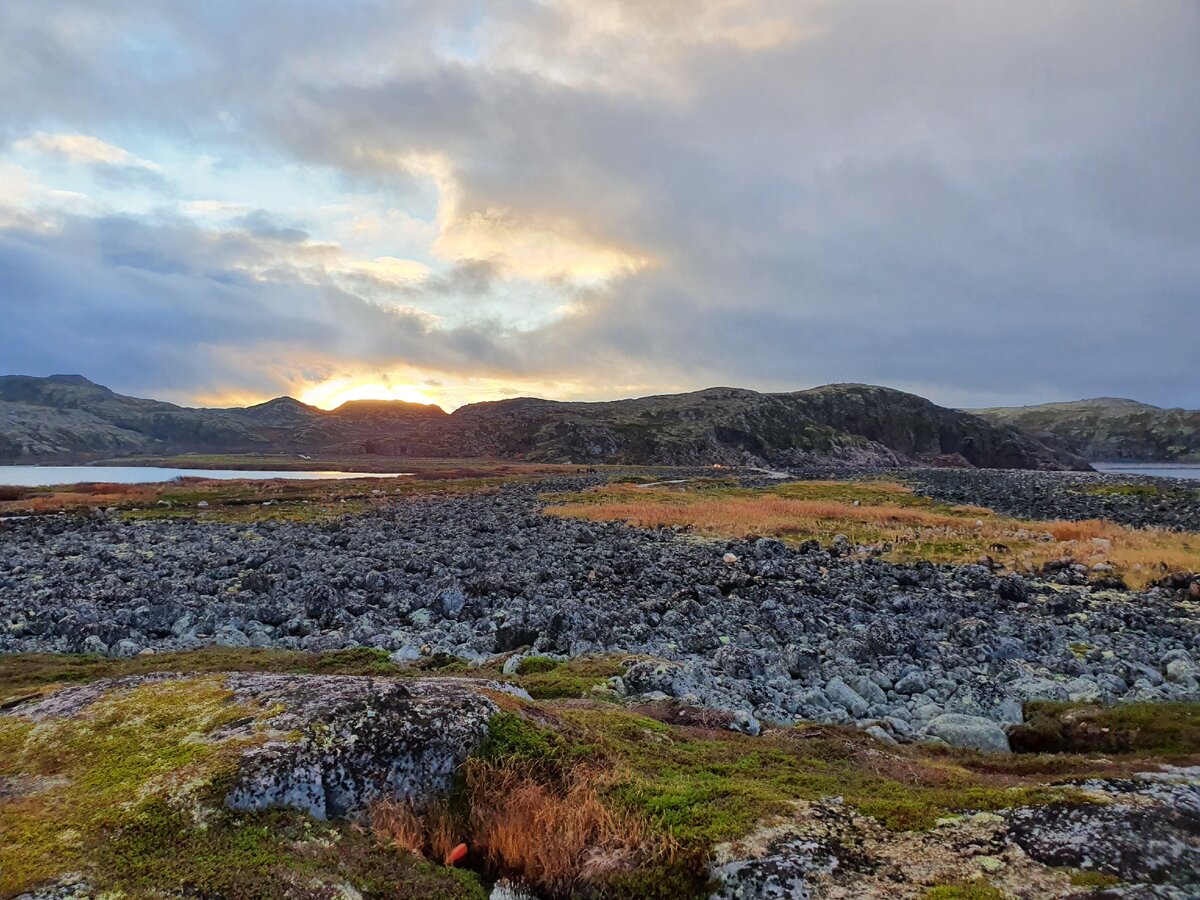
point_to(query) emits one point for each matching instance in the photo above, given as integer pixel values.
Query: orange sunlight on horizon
(333, 394)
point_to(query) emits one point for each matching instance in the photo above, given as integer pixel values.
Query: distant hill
(1109, 428)
(68, 418)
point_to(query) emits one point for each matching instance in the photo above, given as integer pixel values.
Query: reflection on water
(32, 476)
(1159, 470)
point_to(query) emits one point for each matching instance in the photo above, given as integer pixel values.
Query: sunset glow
(333, 394)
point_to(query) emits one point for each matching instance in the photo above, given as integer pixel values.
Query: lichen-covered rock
(334, 742)
(1147, 832)
(970, 732)
(781, 873)
(358, 738)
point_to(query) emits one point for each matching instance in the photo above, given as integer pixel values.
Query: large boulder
(970, 732)
(348, 740)
(326, 744)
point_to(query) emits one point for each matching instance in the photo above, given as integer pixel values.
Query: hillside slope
(69, 417)
(1108, 428)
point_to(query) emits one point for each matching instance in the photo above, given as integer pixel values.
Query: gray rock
(799, 660)
(868, 690)
(846, 697)
(358, 738)
(93, 644)
(746, 723)
(971, 732)
(912, 683)
(880, 735)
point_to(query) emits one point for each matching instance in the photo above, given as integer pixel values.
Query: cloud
(82, 148)
(113, 166)
(164, 306)
(261, 224)
(981, 202)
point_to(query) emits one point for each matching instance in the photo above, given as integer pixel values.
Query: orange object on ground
(459, 851)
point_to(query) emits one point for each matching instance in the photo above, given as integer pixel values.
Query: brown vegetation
(898, 523)
(553, 833)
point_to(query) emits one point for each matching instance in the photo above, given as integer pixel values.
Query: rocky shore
(767, 631)
(1139, 500)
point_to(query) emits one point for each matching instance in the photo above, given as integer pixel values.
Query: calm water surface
(30, 476)
(1160, 470)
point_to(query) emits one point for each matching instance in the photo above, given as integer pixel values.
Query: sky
(984, 203)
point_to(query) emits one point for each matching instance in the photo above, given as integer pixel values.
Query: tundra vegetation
(565, 795)
(889, 519)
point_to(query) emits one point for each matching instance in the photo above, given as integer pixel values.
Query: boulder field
(771, 631)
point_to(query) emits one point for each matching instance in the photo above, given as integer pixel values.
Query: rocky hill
(1107, 428)
(67, 417)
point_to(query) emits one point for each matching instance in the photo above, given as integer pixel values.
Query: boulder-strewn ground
(778, 632)
(693, 701)
(1141, 501)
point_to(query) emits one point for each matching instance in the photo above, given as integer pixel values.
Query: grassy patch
(89, 773)
(238, 501)
(1145, 491)
(1166, 729)
(572, 678)
(890, 517)
(129, 794)
(23, 674)
(965, 890)
(1089, 878)
(712, 786)
(280, 854)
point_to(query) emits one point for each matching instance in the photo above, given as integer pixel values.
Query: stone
(868, 690)
(846, 697)
(799, 660)
(912, 683)
(970, 732)
(880, 735)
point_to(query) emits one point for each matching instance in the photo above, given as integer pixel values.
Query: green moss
(711, 787)
(1145, 728)
(1092, 879)
(1148, 491)
(965, 890)
(23, 673)
(513, 737)
(90, 771)
(573, 678)
(280, 854)
(532, 665)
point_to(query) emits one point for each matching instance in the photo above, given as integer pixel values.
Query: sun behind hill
(333, 394)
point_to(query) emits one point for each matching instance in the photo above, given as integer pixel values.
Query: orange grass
(554, 835)
(901, 524)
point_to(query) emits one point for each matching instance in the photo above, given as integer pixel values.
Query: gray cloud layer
(979, 202)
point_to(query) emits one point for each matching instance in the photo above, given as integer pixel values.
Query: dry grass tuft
(553, 834)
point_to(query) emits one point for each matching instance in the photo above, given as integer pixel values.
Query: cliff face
(1107, 429)
(68, 416)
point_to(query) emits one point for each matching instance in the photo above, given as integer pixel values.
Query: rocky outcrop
(1142, 833)
(328, 745)
(1109, 429)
